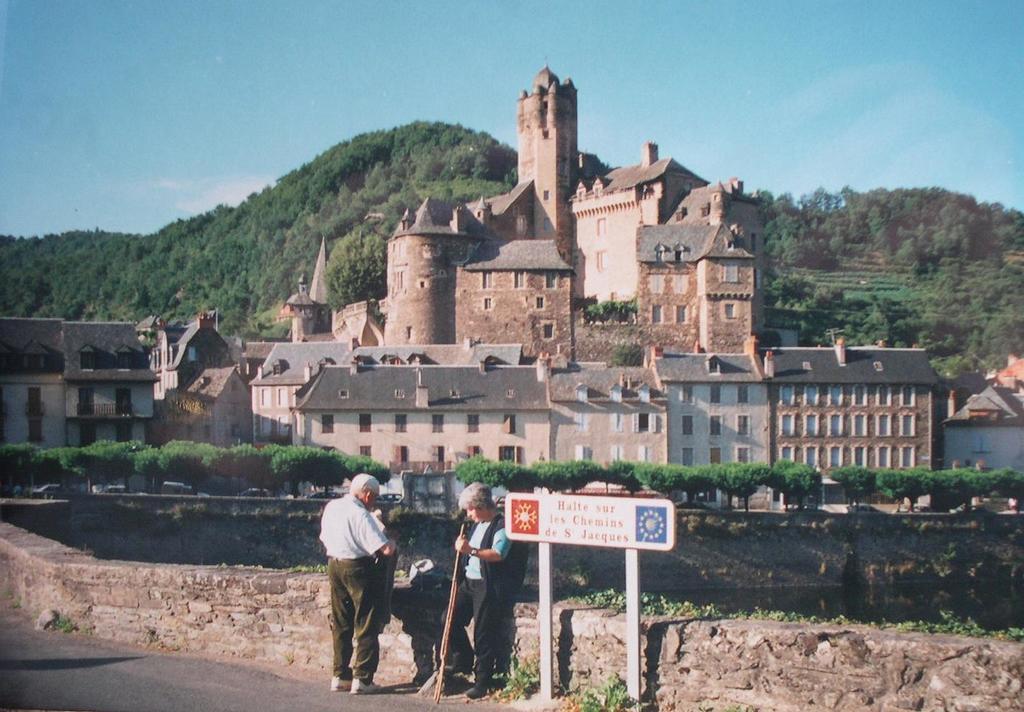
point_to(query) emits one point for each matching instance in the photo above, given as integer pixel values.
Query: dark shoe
(477, 691)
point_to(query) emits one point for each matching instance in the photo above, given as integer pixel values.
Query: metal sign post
(630, 523)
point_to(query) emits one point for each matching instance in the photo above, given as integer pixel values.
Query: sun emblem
(525, 516)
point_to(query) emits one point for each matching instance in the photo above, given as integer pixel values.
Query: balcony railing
(420, 466)
(34, 410)
(104, 410)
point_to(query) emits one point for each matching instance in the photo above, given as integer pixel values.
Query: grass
(611, 696)
(658, 605)
(523, 680)
(64, 624)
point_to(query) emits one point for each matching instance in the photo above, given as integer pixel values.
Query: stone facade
(534, 306)
(281, 618)
(852, 406)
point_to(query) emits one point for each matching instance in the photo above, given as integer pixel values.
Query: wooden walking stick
(446, 636)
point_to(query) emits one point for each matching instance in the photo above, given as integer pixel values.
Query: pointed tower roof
(318, 288)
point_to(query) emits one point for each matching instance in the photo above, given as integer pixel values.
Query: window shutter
(636, 422)
(656, 423)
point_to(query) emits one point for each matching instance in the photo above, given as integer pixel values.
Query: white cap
(362, 482)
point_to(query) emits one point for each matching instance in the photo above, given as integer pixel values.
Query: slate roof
(500, 203)
(696, 240)
(1005, 405)
(630, 176)
(210, 382)
(516, 254)
(434, 217)
(698, 368)
(442, 354)
(895, 366)
(259, 349)
(107, 339)
(600, 379)
(450, 388)
(20, 337)
(293, 357)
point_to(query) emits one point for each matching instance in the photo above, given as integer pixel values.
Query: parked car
(49, 491)
(320, 494)
(389, 498)
(115, 489)
(255, 492)
(170, 487)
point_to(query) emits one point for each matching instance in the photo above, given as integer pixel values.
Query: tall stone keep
(547, 130)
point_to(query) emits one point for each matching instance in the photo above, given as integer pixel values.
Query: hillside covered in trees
(245, 261)
(916, 266)
(923, 267)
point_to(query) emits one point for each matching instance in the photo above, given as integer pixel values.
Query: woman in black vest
(485, 594)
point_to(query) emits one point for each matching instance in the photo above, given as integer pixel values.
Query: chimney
(697, 348)
(353, 367)
(951, 404)
(648, 154)
(307, 372)
(206, 319)
(653, 354)
(422, 394)
(622, 379)
(458, 221)
(841, 351)
(750, 345)
(543, 367)
(483, 365)
(769, 365)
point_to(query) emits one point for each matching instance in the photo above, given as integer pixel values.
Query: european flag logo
(651, 525)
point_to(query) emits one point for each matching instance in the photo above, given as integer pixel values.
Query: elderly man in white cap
(355, 542)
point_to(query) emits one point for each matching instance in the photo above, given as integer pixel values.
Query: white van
(169, 487)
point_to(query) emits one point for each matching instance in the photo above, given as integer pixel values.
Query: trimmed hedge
(796, 481)
(270, 467)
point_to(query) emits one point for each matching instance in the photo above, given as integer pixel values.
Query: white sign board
(582, 520)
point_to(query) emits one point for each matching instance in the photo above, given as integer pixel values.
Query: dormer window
(276, 368)
(343, 393)
(645, 393)
(714, 366)
(806, 365)
(679, 250)
(581, 393)
(399, 393)
(616, 393)
(878, 365)
(87, 358)
(454, 393)
(510, 393)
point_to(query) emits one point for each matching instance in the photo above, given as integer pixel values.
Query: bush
(794, 480)
(857, 482)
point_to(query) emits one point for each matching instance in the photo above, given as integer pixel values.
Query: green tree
(903, 484)
(186, 461)
(357, 269)
(741, 479)
(15, 464)
(106, 460)
(567, 476)
(857, 482)
(795, 480)
(245, 465)
(508, 475)
(298, 463)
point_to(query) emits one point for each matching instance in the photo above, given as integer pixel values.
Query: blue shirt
(501, 544)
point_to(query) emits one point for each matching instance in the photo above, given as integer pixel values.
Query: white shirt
(349, 531)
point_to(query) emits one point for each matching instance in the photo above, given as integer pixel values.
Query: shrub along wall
(280, 618)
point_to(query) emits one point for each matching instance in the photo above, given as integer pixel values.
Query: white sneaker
(364, 688)
(337, 684)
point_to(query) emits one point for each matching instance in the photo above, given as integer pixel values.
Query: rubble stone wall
(280, 617)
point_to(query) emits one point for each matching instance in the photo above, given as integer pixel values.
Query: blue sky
(129, 115)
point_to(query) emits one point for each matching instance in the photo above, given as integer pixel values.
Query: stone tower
(422, 258)
(547, 129)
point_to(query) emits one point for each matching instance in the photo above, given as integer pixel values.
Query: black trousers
(488, 616)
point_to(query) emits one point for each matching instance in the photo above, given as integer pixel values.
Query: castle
(513, 266)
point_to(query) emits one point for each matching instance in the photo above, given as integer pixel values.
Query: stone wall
(727, 549)
(280, 618)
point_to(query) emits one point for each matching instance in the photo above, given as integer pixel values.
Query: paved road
(57, 671)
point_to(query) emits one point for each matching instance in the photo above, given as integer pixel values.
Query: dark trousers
(357, 601)
(488, 616)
